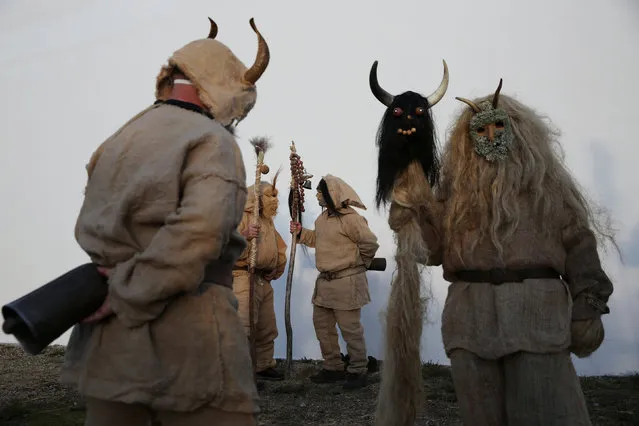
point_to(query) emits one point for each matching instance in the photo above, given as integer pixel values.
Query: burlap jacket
(496, 320)
(341, 243)
(164, 197)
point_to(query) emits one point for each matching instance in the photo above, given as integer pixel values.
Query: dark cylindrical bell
(45, 314)
(307, 185)
(377, 264)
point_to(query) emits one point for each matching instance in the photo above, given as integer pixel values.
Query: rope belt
(499, 275)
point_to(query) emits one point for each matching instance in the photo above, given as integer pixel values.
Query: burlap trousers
(107, 413)
(352, 330)
(263, 316)
(523, 389)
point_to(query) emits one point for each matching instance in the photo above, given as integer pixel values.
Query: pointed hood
(342, 193)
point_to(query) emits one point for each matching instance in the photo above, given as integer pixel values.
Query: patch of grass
(612, 400)
(22, 413)
(431, 369)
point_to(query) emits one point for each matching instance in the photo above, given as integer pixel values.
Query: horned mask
(490, 128)
(269, 202)
(224, 84)
(405, 134)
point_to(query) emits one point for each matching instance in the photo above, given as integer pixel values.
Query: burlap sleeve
(307, 237)
(213, 197)
(589, 285)
(356, 228)
(427, 217)
(243, 259)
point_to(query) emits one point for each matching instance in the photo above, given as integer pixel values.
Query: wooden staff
(260, 144)
(299, 181)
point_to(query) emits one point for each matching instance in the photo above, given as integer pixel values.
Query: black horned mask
(405, 134)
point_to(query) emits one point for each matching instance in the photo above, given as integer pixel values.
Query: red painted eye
(419, 111)
(397, 111)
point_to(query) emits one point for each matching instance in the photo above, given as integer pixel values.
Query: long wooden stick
(298, 178)
(287, 307)
(261, 145)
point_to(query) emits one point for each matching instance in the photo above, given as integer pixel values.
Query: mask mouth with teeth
(406, 134)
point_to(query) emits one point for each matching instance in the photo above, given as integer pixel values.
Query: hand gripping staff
(300, 180)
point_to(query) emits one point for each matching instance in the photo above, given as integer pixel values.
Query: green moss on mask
(496, 150)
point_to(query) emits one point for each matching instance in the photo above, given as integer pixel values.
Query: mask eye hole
(397, 111)
(499, 124)
(419, 111)
(481, 130)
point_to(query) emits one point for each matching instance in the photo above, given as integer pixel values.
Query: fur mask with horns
(406, 133)
(269, 202)
(225, 85)
(490, 128)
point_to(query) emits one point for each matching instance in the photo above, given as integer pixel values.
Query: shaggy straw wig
(534, 168)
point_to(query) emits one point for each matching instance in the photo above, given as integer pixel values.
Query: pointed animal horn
(261, 60)
(438, 94)
(213, 31)
(274, 180)
(469, 103)
(496, 95)
(382, 95)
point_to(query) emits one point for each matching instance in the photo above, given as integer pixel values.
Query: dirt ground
(30, 395)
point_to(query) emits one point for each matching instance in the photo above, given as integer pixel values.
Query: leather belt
(500, 275)
(329, 276)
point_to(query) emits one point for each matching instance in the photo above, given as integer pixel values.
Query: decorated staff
(407, 164)
(300, 180)
(261, 145)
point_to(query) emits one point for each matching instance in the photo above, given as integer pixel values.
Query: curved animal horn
(496, 95)
(382, 95)
(213, 31)
(438, 94)
(469, 103)
(261, 60)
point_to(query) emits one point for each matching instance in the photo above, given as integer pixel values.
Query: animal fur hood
(219, 76)
(342, 193)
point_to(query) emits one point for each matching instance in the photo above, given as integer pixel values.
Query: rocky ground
(30, 395)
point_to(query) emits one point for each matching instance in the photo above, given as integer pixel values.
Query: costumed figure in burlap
(518, 241)
(164, 197)
(344, 248)
(407, 158)
(270, 265)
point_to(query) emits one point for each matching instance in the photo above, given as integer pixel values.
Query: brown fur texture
(269, 202)
(534, 166)
(400, 387)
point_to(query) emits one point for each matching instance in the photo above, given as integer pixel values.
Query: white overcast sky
(73, 71)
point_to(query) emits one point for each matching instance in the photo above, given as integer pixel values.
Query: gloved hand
(586, 329)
